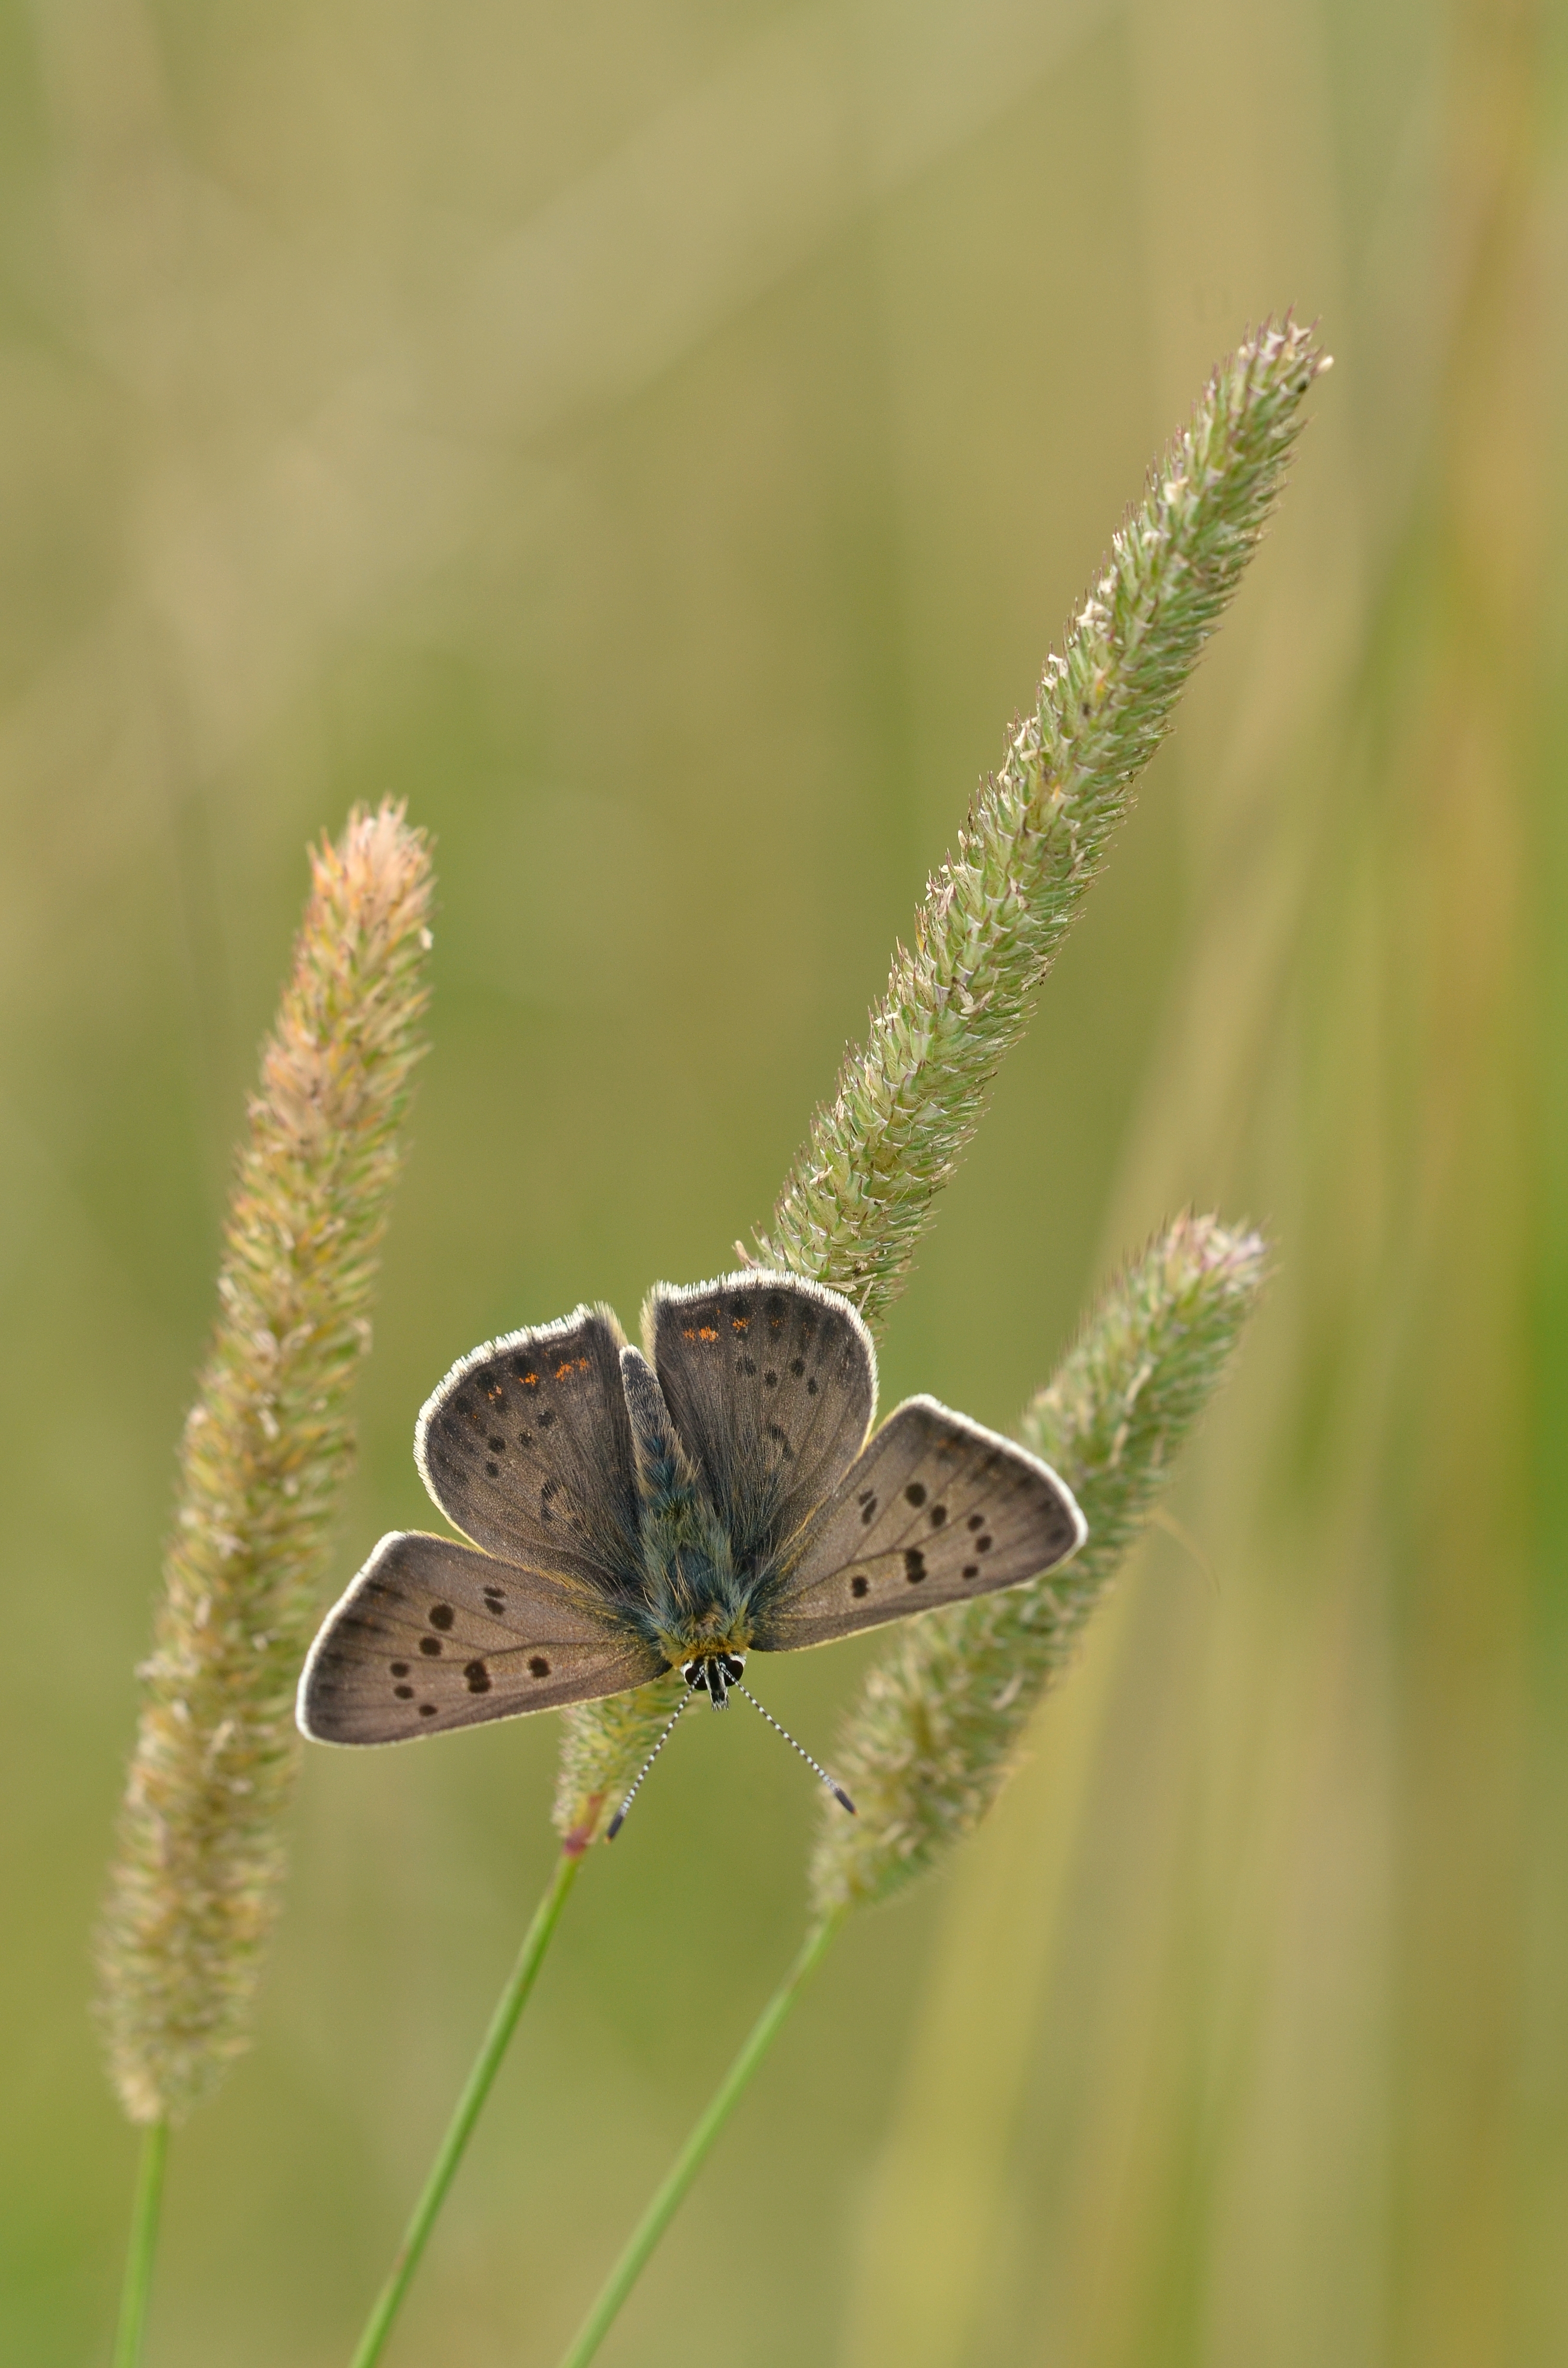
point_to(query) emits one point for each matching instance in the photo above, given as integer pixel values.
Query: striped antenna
(618, 1819)
(839, 1794)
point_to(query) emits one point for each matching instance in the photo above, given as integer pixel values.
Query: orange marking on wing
(530, 1381)
(739, 1322)
(707, 1333)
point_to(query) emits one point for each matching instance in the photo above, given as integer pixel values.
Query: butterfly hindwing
(527, 1448)
(937, 1510)
(771, 1382)
(433, 1634)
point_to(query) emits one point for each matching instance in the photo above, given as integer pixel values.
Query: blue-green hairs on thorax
(697, 1600)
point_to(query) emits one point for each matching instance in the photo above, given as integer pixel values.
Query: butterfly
(625, 1513)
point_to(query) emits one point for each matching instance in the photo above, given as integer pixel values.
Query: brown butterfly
(633, 1513)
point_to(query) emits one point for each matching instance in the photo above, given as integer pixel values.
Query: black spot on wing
(937, 1507)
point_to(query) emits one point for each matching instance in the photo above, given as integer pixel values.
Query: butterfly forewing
(771, 1382)
(937, 1510)
(526, 1446)
(433, 1634)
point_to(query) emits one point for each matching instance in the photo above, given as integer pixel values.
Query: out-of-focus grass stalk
(469, 2107)
(196, 1878)
(864, 1184)
(938, 1724)
(667, 2197)
(146, 2211)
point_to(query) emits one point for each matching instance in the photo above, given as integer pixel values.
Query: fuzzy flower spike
(939, 1721)
(194, 1883)
(864, 1184)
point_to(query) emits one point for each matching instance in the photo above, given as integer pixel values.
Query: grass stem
(670, 2195)
(144, 2212)
(476, 2087)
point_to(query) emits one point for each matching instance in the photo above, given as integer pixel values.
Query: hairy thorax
(698, 1602)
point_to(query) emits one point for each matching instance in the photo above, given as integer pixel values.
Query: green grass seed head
(937, 1728)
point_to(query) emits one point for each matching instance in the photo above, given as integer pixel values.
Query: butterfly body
(697, 1600)
(622, 1514)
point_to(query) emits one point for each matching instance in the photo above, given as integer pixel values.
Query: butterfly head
(713, 1674)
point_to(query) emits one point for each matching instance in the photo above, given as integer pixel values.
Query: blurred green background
(660, 441)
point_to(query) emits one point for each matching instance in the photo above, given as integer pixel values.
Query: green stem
(144, 2244)
(503, 2022)
(694, 2154)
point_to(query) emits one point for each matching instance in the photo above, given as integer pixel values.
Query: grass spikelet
(860, 1193)
(937, 1728)
(195, 1881)
(603, 1745)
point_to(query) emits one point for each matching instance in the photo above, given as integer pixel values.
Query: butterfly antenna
(839, 1794)
(618, 1819)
